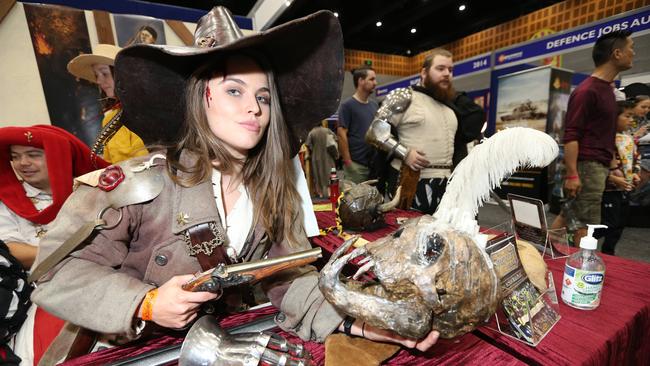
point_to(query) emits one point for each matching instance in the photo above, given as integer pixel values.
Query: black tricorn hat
(306, 56)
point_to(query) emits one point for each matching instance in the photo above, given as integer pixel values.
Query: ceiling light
(378, 24)
(408, 52)
(462, 7)
(413, 30)
(336, 14)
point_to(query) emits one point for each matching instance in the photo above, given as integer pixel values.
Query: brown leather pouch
(408, 179)
(341, 349)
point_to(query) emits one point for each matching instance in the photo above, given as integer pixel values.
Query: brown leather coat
(100, 286)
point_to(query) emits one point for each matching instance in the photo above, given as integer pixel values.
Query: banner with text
(465, 67)
(580, 37)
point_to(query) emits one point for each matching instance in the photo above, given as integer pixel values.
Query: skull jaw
(415, 318)
(450, 326)
(410, 320)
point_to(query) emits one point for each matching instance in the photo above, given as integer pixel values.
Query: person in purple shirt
(590, 129)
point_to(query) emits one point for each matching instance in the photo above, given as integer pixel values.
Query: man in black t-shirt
(355, 116)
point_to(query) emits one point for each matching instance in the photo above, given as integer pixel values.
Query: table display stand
(526, 313)
(557, 244)
(529, 223)
(539, 320)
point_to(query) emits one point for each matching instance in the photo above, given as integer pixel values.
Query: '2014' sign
(479, 63)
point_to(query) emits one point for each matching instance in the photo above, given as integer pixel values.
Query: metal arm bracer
(378, 134)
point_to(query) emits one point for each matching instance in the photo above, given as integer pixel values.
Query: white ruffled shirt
(239, 221)
(17, 229)
(14, 228)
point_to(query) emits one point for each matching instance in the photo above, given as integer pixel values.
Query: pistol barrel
(313, 253)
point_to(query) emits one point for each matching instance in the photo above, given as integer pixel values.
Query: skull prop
(362, 207)
(422, 273)
(433, 272)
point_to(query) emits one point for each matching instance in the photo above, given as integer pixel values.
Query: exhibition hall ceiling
(403, 27)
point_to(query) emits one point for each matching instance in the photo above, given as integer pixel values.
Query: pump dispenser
(589, 242)
(584, 274)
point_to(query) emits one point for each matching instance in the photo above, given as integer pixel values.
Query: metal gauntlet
(378, 134)
(207, 344)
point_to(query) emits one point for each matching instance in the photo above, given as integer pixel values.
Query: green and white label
(582, 288)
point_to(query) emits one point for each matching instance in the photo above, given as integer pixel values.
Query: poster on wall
(523, 99)
(135, 29)
(535, 98)
(58, 35)
(560, 90)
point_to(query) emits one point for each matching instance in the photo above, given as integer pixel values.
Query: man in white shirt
(37, 168)
(20, 234)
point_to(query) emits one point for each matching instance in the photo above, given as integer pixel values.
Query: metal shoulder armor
(126, 183)
(132, 181)
(378, 134)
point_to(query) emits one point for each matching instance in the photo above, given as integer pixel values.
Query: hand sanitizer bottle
(584, 274)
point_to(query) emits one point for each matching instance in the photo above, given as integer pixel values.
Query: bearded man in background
(431, 125)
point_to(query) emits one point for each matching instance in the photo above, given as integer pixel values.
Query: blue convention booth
(521, 66)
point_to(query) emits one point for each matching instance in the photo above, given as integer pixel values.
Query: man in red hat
(37, 168)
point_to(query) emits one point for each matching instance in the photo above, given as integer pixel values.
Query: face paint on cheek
(208, 95)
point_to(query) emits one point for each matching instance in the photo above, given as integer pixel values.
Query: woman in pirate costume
(232, 110)
(117, 141)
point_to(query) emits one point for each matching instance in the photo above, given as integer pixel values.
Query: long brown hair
(267, 172)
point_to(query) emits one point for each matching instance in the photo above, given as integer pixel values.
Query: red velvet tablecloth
(466, 350)
(616, 333)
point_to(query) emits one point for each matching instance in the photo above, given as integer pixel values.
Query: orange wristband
(147, 304)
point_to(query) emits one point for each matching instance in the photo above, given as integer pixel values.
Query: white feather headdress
(484, 169)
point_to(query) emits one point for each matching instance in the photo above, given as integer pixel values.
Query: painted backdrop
(58, 35)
